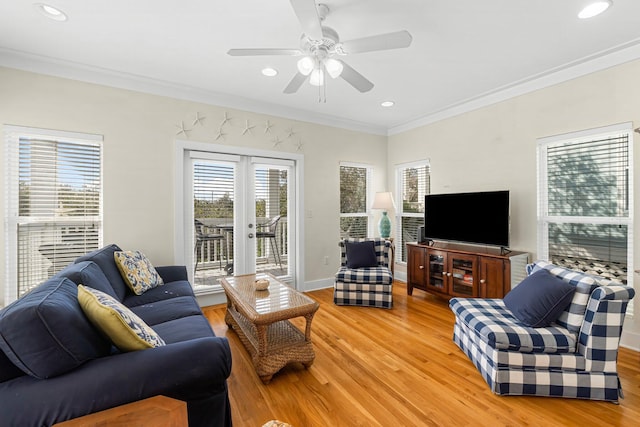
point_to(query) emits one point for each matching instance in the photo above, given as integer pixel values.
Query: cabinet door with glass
(437, 274)
(462, 272)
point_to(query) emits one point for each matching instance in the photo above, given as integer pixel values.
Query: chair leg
(276, 253)
(195, 254)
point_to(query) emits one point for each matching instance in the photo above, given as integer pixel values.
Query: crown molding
(608, 58)
(102, 76)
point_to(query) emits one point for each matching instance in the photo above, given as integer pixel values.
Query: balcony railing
(213, 254)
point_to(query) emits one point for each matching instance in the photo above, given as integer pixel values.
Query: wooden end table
(260, 318)
(157, 411)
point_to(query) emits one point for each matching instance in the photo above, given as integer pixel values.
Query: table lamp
(384, 201)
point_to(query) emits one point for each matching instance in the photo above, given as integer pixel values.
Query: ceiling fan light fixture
(333, 67)
(306, 65)
(317, 77)
(594, 8)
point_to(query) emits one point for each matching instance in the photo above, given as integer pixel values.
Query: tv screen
(481, 218)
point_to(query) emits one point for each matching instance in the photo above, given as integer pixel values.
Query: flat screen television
(480, 217)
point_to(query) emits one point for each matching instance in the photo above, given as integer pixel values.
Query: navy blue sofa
(55, 366)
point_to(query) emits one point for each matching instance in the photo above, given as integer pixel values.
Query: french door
(243, 217)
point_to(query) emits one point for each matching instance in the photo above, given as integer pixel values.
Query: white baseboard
(205, 300)
(630, 340)
(317, 284)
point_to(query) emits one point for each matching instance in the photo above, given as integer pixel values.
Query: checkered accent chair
(367, 286)
(574, 357)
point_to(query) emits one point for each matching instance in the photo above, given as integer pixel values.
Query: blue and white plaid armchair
(365, 286)
(574, 357)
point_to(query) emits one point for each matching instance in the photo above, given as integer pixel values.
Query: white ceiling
(462, 51)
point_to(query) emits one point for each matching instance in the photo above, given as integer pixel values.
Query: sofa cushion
(573, 316)
(126, 330)
(361, 254)
(8, 370)
(137, 271)
(495, 325)
(184, 329)
(89, 274)
(45, 333)
(539, 299)
(166, 310)
(105, 260)
(373, 275)
(167, 291)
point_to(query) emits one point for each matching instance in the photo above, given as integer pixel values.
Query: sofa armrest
(188, 370)
(172, 273)
(601, 329)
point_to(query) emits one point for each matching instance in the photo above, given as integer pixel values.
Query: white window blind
(413, 183)
(54, 202)
(354, 205)
(585, 201)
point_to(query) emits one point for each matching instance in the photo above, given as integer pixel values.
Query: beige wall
(139, 146)
(489, 148)
(494, 148)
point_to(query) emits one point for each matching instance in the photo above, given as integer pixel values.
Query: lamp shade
(383, 200)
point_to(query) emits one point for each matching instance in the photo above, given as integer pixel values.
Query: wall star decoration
(276, 142)
(198, 120)
(299, 145)
(225, 119)
(182, 130)
(247, 127)
(220, 134)
(267, 127)
(290, 132)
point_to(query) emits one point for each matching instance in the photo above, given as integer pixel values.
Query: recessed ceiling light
(51, 12)
(594, 8)
(387, 103)
(269, 72)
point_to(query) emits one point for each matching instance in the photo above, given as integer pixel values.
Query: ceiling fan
(321, 49)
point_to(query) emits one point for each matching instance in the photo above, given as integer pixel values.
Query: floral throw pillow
(123, 327)
(137, 271)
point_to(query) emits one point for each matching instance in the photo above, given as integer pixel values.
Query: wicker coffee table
(260, 318)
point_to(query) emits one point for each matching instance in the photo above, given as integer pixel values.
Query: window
(413, 183)
(585, 201)
(54, 203)
(354, 194)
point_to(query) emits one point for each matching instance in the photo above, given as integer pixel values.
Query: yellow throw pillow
(137, 271)
(126, 330)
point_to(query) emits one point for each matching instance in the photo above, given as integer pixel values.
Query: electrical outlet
(326, 260)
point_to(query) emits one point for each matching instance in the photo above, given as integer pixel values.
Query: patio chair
(268, 231)
(203, 237)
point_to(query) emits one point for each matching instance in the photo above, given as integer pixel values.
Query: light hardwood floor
(400, 367)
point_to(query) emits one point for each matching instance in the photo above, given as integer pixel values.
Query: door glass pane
(272, 220)
(213, 213)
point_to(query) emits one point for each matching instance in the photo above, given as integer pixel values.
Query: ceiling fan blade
(308, 16)
(265, 51)
(295, 83)
(387, 41)
(355, 79)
